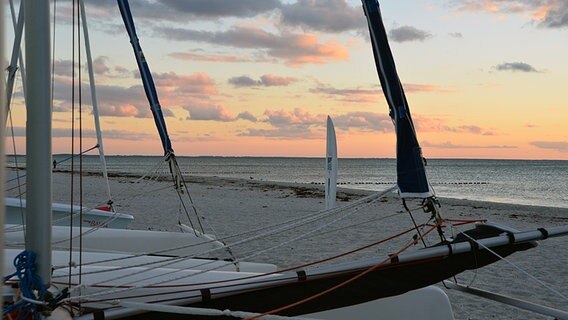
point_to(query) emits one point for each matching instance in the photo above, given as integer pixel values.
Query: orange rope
(255, 276)
(363, 273)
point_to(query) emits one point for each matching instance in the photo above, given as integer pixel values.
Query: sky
(483, 78)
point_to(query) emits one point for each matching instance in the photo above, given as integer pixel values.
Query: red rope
(259, 275)
(346, 282)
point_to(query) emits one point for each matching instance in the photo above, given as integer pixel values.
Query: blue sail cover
(411, 174)
(146, 75)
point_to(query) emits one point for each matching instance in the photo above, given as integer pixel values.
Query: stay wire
(517, 267)
(116, 289)
(18, 182)
(177, 259)
(342, 284)
(277, 228)
(80, 88)
(293, 268)
(413, 222)
(72, 173)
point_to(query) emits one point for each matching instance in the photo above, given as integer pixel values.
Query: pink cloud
(547, 13)
(271, 80)
(295, 49)
(364, 121)
(213, 112)
(198, 82)
(297, 117)
(307, 49)
(119, 110)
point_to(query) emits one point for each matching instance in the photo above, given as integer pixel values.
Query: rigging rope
(201, 272)
(30, 283)
(516, 267)
(228, 281)
(278, 228)
(20, 192)
(342, 284)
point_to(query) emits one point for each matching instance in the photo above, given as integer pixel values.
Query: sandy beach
(231, 206)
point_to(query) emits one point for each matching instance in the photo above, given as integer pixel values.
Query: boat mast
(152, 96)
(412, 180)
(16, 55)
(38, 134)
(3, 116)
(94, 101)
(148, 82)
(330, 166)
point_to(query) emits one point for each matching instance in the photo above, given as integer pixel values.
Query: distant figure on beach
(54, 164)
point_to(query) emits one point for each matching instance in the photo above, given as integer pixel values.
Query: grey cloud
(180, 11)
(222, 8)
(357, 95)
(108, 134)
(470, 129)
(236, 37)
(450, 145)
(408, 33)
(294, 48)
(545, 13)
(556, 18)
(365, 121)
(63, 67)
(247, 116)
(515, 66)
(201, 110)
(561, 146)
(324, 15)
(270, 80)
(209, 112)
(296, 118)
(267, 80)
(292, 133)
(244, 81)
(100, 65)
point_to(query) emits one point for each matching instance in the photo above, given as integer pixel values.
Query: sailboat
(330, 165)
(102, 216)
(112, 286)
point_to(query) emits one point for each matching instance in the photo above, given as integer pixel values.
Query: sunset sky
(484, 78)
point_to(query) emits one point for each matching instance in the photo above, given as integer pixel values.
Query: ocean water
(532, 182)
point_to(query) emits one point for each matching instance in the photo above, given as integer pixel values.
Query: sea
(530, 182)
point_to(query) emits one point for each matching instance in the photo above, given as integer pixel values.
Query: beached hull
(16, 208)
(128, 242)
(354, 283)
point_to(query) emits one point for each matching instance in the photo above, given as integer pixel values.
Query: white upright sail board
(330, 166)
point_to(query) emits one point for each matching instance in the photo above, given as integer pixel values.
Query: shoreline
(343, 190)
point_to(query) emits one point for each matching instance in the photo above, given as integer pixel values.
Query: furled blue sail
(146, 75)
(152, 95)
(411, 174)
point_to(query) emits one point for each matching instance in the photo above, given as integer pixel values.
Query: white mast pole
(94, 98)
(38, 134)
(16, 54)
(2, 157)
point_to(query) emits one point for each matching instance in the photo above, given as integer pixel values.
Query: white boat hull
(100, 244)
(16, 209)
